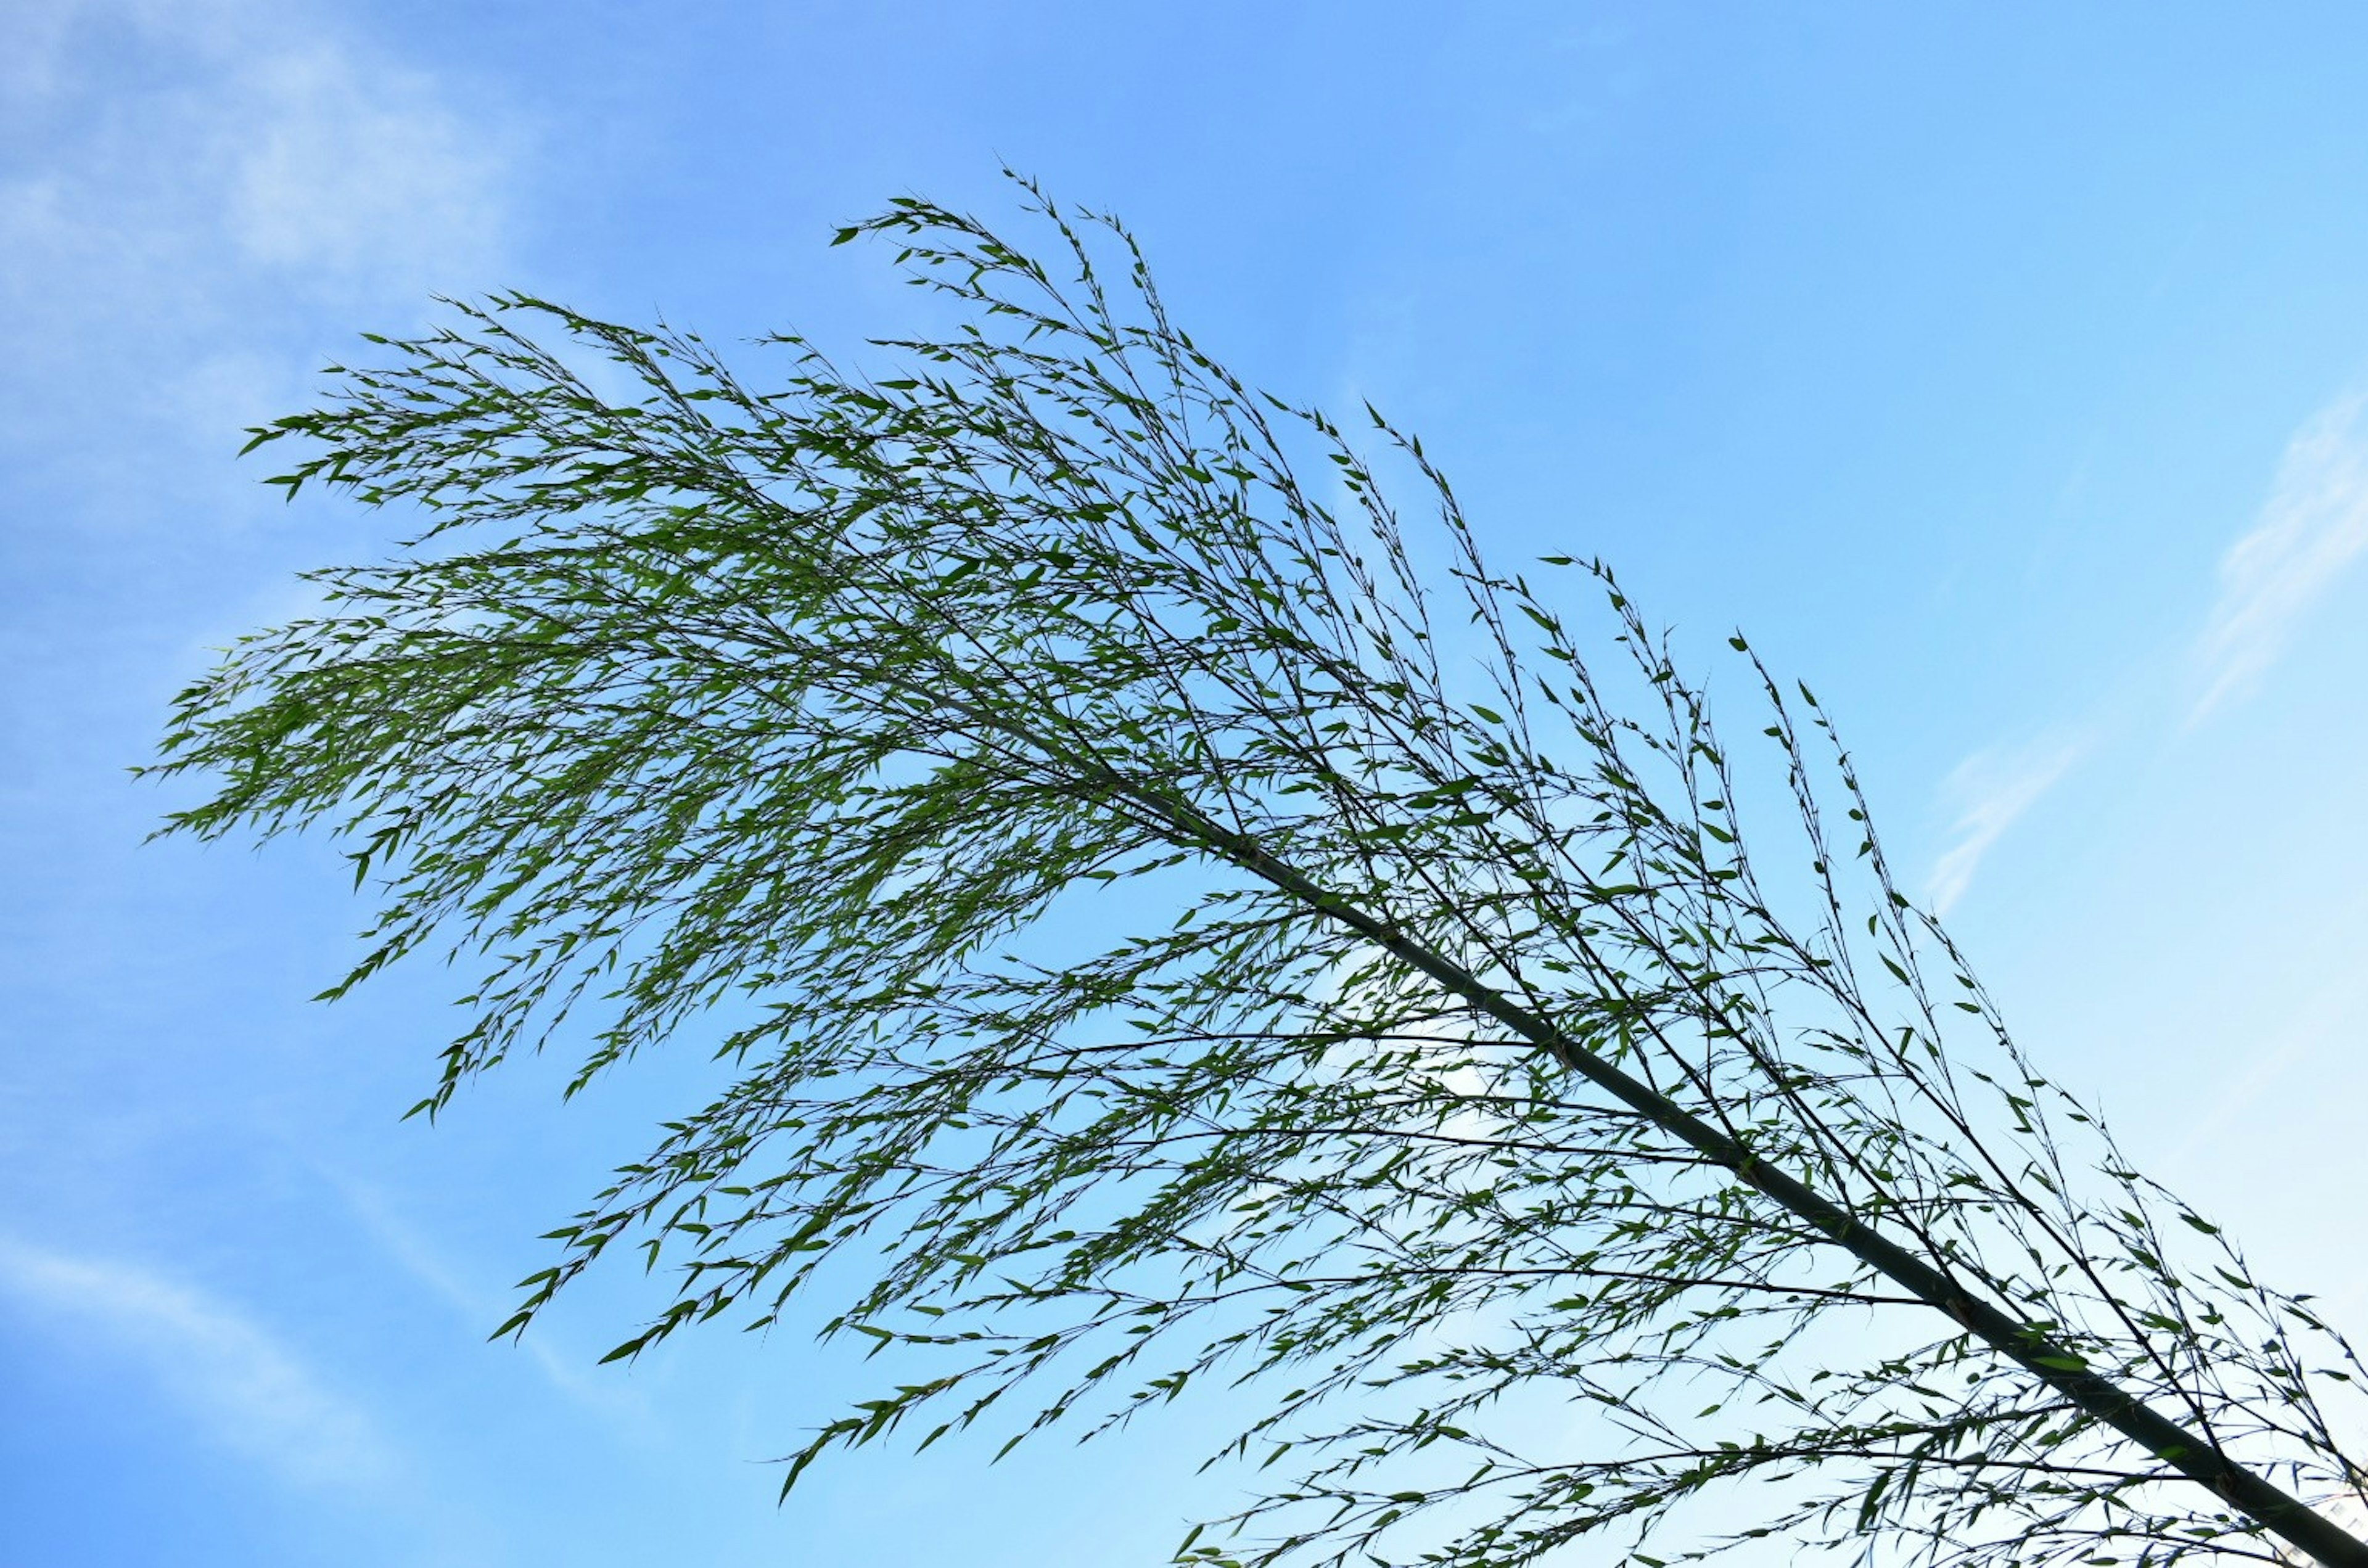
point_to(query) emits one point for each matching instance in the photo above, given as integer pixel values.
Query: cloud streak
(1994, 788)
(2309, 531)
(478, 1309)
(2313, 526)
(240, 1383)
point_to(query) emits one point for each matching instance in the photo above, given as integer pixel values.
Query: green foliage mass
(1151, 943)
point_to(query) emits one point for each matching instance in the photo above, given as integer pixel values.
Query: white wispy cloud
(1991, 789)
(236, 1379)
(197, 200)
(352, 172)
(479, 1308)
(2314, 525)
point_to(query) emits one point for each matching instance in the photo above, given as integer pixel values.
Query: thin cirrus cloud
(2313, 526)
(232, 1376)
(476, 1308)
(1992, 790)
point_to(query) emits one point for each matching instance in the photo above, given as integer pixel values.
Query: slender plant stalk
(2023, 1342)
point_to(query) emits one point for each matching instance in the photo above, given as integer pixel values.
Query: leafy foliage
(1152, 945)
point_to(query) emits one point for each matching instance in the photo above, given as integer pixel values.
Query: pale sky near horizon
(2003, 372)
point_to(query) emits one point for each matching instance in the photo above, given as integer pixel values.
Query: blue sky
(2000, 369)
